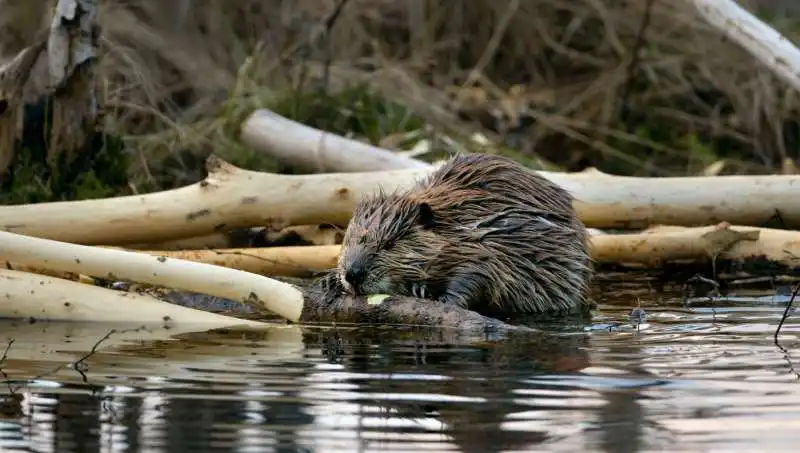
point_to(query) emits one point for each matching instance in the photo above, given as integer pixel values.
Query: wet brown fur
(482, 232)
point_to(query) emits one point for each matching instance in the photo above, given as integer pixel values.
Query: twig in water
(80, 366)
(785, 314)
(637, 316)
(3, 361)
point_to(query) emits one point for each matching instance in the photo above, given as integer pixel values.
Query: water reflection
(694, 378)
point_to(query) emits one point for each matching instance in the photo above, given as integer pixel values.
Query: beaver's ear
(425, 215)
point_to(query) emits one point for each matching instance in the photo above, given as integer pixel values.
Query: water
(703, 377)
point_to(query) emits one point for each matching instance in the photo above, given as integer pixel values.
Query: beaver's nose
(355, 275)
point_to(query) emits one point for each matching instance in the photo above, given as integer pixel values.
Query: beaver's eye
(388, 245)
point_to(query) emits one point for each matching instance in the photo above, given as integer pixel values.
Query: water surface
(705, 376)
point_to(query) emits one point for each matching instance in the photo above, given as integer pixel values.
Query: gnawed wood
(231, 197)
(651, 248)
(33, 296)
(306, 147)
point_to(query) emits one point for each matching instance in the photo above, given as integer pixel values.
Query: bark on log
(40, 297)
(232, 198)
(252, 237)
(72, 55)
(298, 262)
(272, 295)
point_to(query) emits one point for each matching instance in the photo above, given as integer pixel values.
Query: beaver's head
(388, 245)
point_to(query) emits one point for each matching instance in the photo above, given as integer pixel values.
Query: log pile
(146, 238)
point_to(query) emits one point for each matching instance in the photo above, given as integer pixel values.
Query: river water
(698, 376)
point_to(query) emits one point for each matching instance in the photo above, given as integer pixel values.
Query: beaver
(482, 232)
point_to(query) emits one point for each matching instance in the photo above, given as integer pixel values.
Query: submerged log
(231, 197)
(300, 262)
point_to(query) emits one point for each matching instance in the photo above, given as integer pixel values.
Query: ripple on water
(701, 377)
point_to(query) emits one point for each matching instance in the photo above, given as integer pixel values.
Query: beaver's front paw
(332, 288)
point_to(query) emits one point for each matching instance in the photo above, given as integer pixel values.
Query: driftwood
(231, 197)
(293, 303)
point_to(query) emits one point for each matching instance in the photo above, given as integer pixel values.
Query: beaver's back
(516, 230)
(471, 187)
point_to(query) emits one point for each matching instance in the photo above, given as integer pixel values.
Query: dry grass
(172, 75)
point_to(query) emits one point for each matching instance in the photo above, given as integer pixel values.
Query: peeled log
(40, 297)
(650, 248)
(282, 138)
(280, 298)
(763, 42)
(299, 262)
(231, 197)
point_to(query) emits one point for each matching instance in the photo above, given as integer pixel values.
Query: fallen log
(298, 262)
(651, 248)
(231, 197)
(315, 303)
(306, 147)
(252, 237)
(34, 296)
(248, 288)
(763, 42)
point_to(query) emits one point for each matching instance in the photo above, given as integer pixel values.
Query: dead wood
(13, 77)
